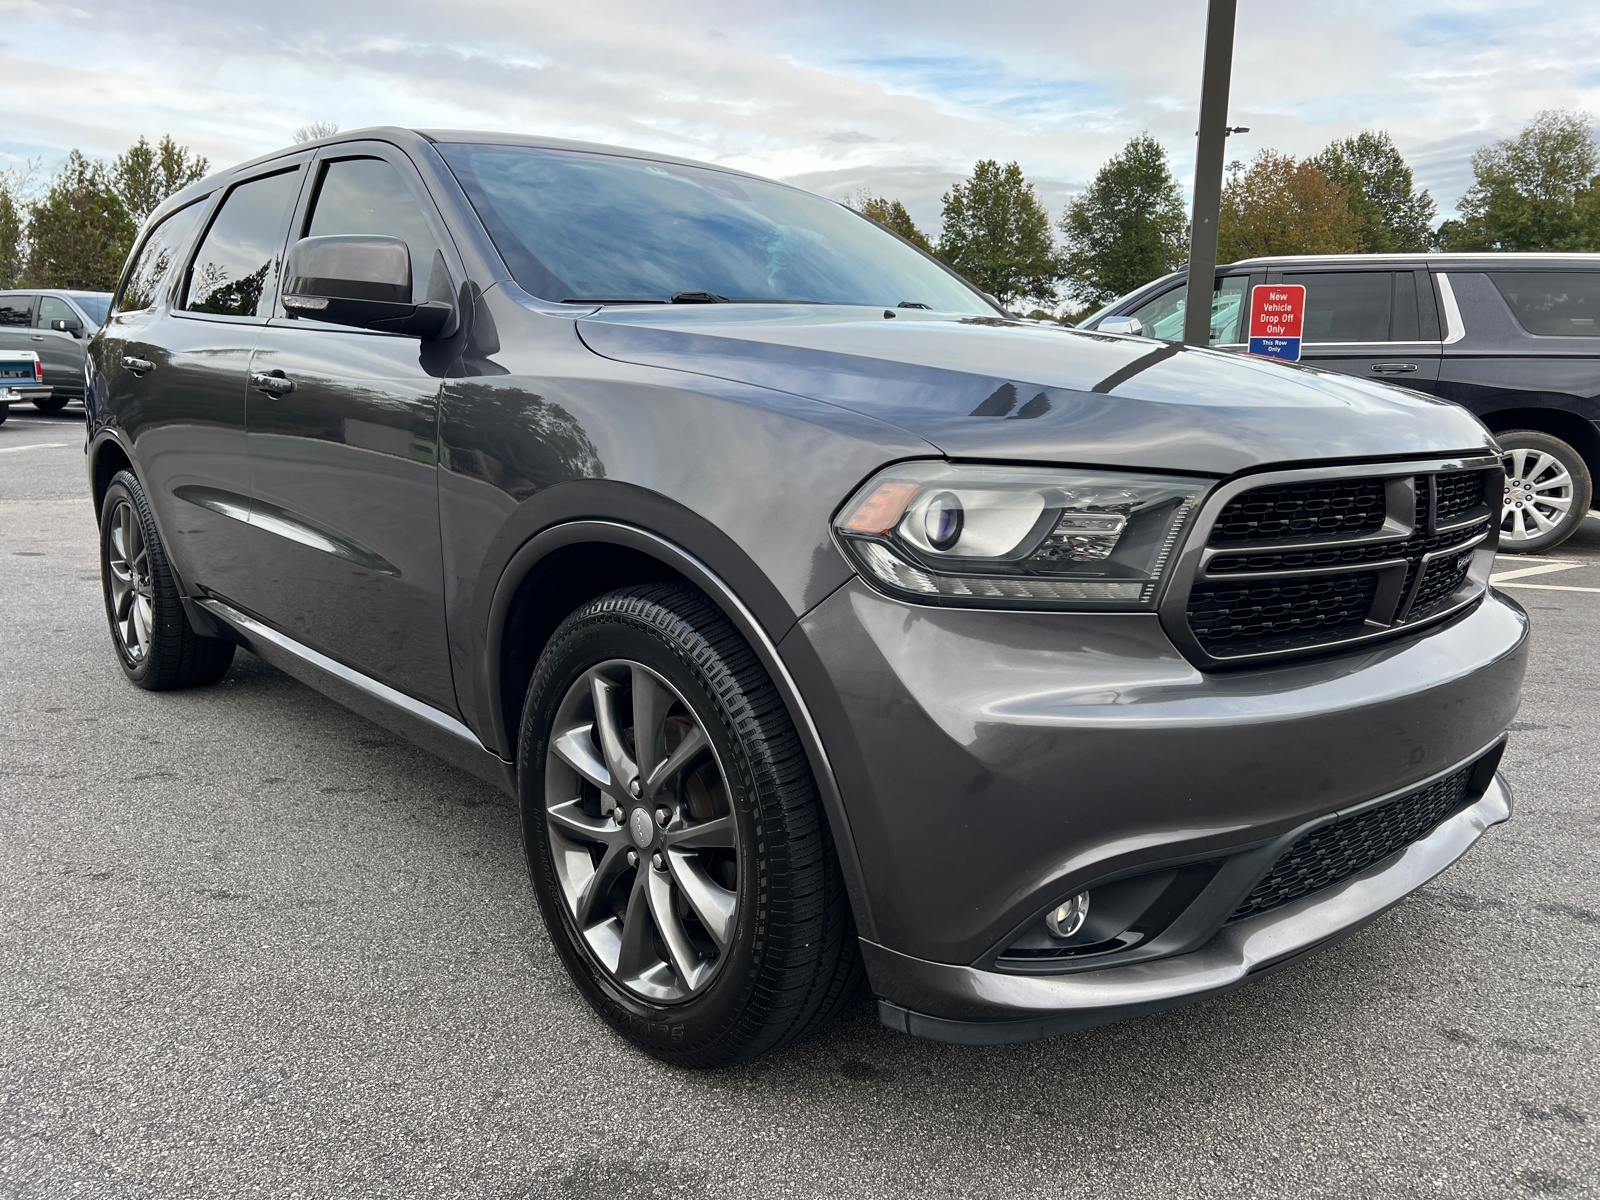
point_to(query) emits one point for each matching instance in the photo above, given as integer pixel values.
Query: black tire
(793, 961)
(168, 653)
(5, 411)
(51, 404)
(1533, 494)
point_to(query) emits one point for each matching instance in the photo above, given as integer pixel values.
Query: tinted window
(367, 195)
(585, 226)
(161, 249)
(53, 309)
(1163, 316)
(237, 264)
(95, 306)
(16, 310)
(1348, 306)
(1553, 303)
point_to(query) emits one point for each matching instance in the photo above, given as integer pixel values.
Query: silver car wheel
(128, 571)
(643, 838)
(1538, 495)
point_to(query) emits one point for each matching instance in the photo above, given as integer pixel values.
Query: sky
(900, 99)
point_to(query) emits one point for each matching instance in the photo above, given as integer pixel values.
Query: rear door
(16, 321)
(60, 352)
(1373, 324)
(345, 523)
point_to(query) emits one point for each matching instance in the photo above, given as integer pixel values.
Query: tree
(1280, 206)
(1536, 191)
(997, 234)
(12, 229)
(1128, 228)
(79, 231)
(1379, 189)
(892, 215)
(313, 130)
(144, 176)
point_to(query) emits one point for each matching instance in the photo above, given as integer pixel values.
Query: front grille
(1291, 568)
(1300, 511)
(1351, 845)
(1238, 617)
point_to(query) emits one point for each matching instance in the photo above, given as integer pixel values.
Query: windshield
(576, 226)
(95, 307)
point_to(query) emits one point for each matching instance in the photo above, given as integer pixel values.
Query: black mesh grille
(1335, 852)
(1459, 493)
(1326, 508)
(1235, 617)
(1444, 576)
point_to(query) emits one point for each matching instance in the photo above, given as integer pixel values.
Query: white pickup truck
(21, 378)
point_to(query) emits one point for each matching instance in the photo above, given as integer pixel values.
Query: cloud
(823, 94)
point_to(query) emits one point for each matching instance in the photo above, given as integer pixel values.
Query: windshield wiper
(698, 298)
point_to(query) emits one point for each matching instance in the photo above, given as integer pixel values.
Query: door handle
(1393, 368)
(137, 365)
(38, 337)
(273, 383)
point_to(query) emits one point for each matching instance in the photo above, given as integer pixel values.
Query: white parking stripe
(1548, 587)
(1525, 571)
(34, 446)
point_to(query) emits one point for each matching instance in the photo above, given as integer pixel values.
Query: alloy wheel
(128, 566)
(1538, 495)
(643, 839)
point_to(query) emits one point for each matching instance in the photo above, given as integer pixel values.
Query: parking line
(1546, 569)
(1548, 587)
(34, 446)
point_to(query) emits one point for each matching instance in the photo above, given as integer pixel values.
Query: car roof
(1425, 259)
(72, 293)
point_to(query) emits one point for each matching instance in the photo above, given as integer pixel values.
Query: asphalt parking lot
(252, 945)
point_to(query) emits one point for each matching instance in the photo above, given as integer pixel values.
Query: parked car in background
(828, 623)
(1513, 338)
(57, 325)
(20, 373)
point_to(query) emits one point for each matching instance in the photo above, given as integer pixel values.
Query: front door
(1376, 325)
(60, 351)
(342, 439)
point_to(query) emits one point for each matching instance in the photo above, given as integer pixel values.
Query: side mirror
(1121, 325)
(67, 325)
(361, 280)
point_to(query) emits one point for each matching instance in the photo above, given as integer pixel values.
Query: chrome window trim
(1388, 614)
(1455, 330)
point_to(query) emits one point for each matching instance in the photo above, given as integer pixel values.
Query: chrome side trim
(429, 727)
(1454, 329)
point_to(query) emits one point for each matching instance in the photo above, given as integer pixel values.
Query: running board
(428, 727)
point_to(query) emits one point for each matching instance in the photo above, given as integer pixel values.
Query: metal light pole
(1209, 151)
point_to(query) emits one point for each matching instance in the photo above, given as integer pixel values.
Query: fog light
(1069, 918)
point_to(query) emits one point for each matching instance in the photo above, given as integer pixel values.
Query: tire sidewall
(696, 1024)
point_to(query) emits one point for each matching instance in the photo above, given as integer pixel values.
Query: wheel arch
(1571, 428)
(107, 456)
(568, 564)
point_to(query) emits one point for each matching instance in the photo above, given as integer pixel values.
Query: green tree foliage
(1536, 191)
(145, 175)
(892, 215)
(997, 234)
(1278, 205)
(12, 249)
(1128, 228)
(79, 231)
(1379, 189)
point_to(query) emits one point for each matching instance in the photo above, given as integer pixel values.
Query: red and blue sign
(1276, 310)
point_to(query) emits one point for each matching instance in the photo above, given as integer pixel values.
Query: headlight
(1017, 537)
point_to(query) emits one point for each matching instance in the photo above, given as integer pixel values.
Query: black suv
(829, 623)
(1513, 338)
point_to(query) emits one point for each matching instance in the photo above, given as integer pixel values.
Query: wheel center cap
(642, 828)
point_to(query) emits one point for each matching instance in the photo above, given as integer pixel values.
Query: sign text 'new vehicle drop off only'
(1275, 312)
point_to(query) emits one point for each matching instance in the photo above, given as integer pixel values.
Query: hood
(988, 387)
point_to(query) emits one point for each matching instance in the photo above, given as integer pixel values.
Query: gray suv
(1512, 338)
(56, 325)
(833, 629)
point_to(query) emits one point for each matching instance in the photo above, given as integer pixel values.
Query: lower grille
(1332, 853)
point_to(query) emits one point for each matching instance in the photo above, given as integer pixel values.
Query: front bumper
(996, 1008)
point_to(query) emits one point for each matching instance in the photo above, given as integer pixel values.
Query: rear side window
(1359, 306)
(367, 195)
(1552, 303)
(237, 263)
(15, 311)
(160, 250)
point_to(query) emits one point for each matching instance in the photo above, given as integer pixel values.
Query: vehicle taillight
(38, 371)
